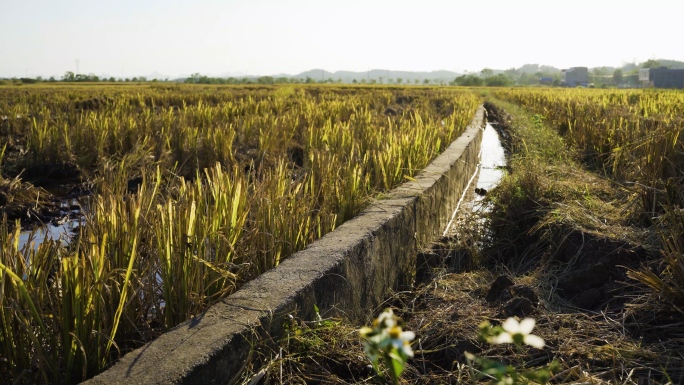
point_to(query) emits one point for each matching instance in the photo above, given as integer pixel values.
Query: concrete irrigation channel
(349, 272)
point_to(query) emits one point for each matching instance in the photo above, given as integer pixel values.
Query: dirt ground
(542, 251)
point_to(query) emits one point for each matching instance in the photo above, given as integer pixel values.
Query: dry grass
(21, 200)
(195, 190)
(634, 139)
(564, 232)
(445, 312)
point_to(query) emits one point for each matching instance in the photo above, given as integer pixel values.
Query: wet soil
(37, 206)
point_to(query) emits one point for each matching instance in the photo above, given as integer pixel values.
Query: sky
(174, 38)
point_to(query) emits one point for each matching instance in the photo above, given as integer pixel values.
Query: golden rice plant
(635, 138)
(195, 191)
(669, 284)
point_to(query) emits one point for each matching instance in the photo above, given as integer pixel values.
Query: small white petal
(534, 341)
(503, 338)
(527, 325)
(511, 325)
(407, 336)
(386, 319)
(407, 350)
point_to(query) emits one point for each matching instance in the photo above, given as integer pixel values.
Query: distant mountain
(379, 75)
(413, 77)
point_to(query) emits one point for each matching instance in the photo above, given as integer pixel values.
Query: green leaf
(398, 363)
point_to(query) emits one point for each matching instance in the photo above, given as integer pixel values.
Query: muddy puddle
(61, 228)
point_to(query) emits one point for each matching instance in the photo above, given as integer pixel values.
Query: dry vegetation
(186, 193)
(204, 187)
(584, 234)
(633, 140)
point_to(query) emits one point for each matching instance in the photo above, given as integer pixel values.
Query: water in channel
(489, 172)
(492, 164)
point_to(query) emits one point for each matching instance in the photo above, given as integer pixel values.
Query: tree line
(600, 76)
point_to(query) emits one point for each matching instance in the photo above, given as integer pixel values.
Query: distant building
(575, 76)
(662, 77)
(546, 81)
(645, 77)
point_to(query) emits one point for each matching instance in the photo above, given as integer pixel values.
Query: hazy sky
(264, 37)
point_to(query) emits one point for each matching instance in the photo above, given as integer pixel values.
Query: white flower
(519, 332)
(365, 332)
(387, 319)
(386, 336)
(402, 340)
(406, 348)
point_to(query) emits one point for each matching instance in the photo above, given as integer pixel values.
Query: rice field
(634, 139)
(569, 227)
(186, 192)
(633, 136)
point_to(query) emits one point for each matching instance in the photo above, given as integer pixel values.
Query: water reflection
(61, 229)
(492, 163)
(62, 232)
(489, 172)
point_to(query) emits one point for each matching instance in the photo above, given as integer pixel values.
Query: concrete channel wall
(349, 272)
